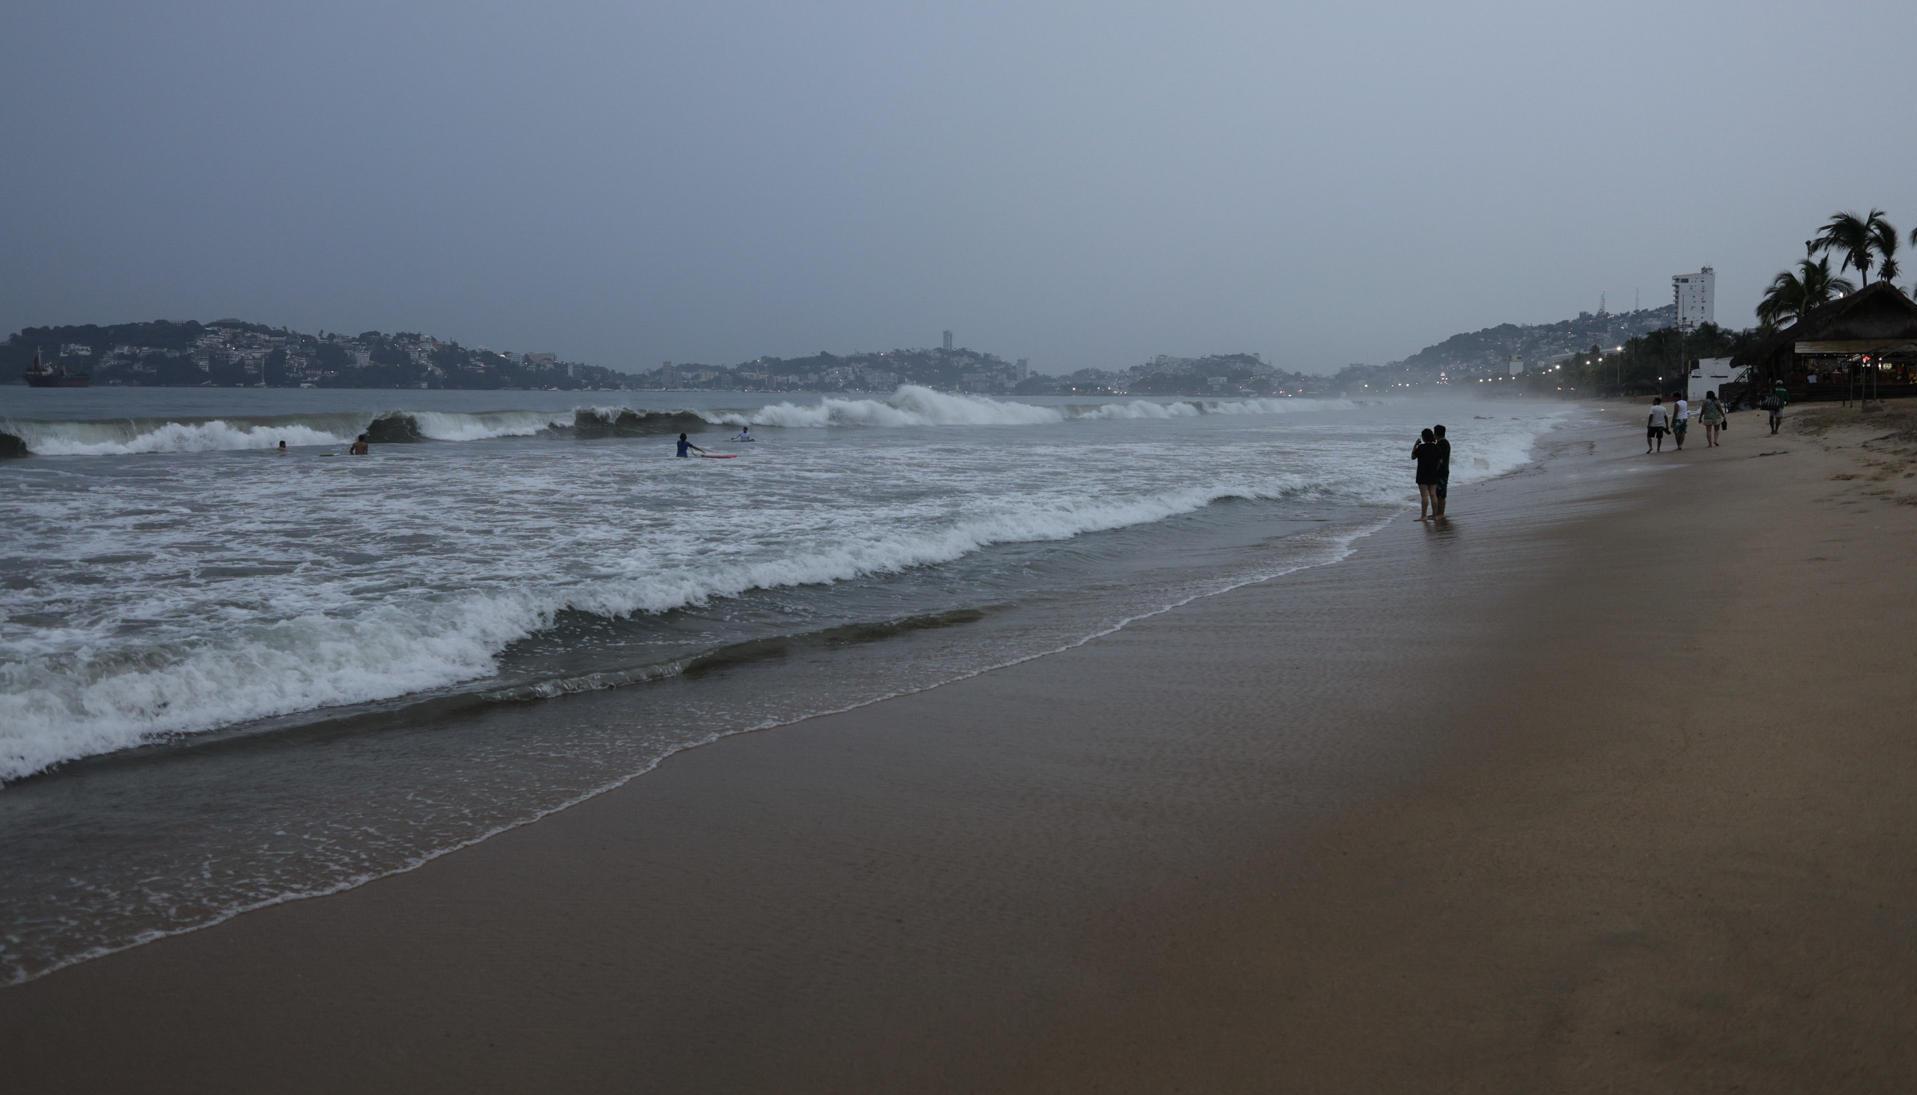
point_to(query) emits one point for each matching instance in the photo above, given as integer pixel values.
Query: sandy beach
(1606, 785)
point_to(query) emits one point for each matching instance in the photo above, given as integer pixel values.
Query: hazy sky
(1077, 183)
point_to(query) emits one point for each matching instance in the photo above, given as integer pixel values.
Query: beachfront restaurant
(1861, 346)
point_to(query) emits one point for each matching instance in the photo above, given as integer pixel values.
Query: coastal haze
(1077, 184)
(868, 547)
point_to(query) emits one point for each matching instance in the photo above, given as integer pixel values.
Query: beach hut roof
(1879, 312)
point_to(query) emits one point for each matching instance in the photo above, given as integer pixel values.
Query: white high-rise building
(1696, 298)
(948, 340)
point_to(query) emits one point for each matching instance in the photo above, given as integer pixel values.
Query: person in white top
(1680, 418)
(1660, 420)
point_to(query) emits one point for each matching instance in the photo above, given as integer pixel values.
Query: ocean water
(230, 676)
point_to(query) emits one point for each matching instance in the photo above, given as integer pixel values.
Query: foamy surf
(910, 406)
(132, 436)
(91, 920)
(59, 705)
(329, 595)
(376, 661)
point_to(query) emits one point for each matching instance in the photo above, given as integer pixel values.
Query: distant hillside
(232, 353)
(954, 370)
(1493, 348)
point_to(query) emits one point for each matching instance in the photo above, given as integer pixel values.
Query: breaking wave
(908, 406)
(120, 436)
(912, 405)
(55, 709)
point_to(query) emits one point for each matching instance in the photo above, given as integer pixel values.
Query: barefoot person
(1713, 418)
(1443, 486)
(1680, 418)
(1425, 452)
(1655, 426)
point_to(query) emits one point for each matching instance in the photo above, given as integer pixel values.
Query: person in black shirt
(1444, 473)
(1427, 455)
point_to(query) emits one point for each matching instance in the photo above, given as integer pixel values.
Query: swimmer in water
(359, 447)
(684, 445)
(282, 448)
(745, 433)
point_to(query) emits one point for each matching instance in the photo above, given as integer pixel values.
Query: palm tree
(1887, 248)
(1857, 239)
(1791, 295)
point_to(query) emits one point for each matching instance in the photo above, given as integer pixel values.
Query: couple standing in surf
(1433, 455)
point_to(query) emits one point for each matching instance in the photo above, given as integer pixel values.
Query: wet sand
(1608, 785)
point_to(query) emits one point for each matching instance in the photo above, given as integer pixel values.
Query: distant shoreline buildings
(236, 354)
(233, 353)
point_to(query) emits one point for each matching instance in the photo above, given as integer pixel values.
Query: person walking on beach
(1713, 417)
(1425, 452)
(1443, 486)
(1774, 403)
(1660, 419)
(684, 445)
(1680, 418)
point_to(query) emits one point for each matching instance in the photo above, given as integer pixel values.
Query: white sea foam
(237, 592)
(106, 439)
(1315, 551)
(912, 405)
(56, 708)
(1143, 408)
(443, 426)
(173, 595)
(119, 437)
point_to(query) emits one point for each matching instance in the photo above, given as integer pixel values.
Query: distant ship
(54, 376)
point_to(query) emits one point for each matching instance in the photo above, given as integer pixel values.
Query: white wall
(1710, 375)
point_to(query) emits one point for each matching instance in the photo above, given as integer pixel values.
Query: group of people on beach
(1432, 453)
(1675, 419)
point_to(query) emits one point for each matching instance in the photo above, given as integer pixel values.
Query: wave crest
(126, 436)
(55, 709)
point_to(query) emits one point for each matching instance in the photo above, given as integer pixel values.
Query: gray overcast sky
(1078, 183)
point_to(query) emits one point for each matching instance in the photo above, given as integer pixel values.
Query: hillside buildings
(232, 353)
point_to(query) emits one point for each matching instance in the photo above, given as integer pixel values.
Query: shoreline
(1068, 873)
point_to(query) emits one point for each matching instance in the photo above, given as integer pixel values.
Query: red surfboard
(719, 455)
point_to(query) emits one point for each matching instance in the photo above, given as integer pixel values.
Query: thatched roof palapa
(1879, 314)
